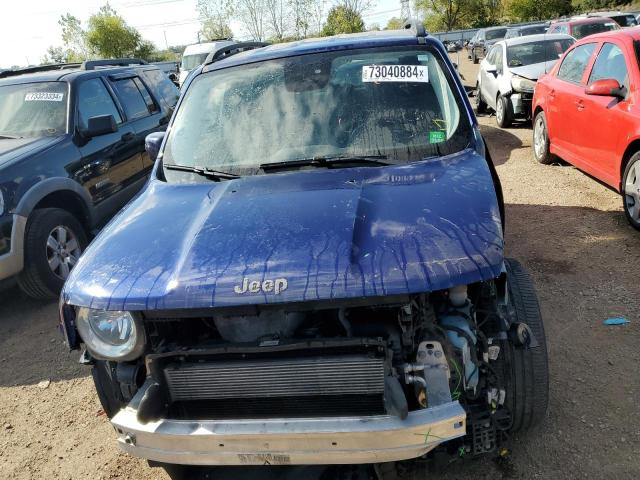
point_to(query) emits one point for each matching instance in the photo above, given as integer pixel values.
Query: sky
(29, 27)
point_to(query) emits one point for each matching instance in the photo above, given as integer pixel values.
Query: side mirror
(607, 87)
(152, 144)
(100, 125)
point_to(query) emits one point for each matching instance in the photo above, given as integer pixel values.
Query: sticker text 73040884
(43, 97)
(395, 73)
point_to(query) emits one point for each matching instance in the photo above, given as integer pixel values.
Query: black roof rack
(113, 62)
(39, 68)
(417, 26)
(232, 49)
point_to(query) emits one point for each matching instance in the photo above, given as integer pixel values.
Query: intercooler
(321, 385)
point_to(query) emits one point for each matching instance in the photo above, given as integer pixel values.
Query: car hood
(534, 71)
(321, 234)
(13, 149)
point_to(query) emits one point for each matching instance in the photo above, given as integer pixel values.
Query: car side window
(93, 100)
(491, 57)
(133, 101)
(498, 60)
(575, 63)
(610, 63)
(151, 104)
(168, 91)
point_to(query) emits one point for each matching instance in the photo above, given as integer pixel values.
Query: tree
(357, 6)
(277, 18)
(215, 16)
(317, 16)
(342, 20)
(525, 10)
(444, 14)
(394, 23)
(110, 37)
(251, 14)
(74, 39)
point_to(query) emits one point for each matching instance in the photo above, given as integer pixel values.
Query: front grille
(321, 385)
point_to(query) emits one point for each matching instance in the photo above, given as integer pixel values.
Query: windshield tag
(395, 73)
(43, 97)
(436, 136)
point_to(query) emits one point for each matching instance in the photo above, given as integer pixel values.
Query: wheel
(504, 112)
(631, 191)
(106, 387)
(541, 143)
(525, 371)
(481, 106)
(54, 240)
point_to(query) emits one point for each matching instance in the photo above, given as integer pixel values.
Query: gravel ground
(567, 228)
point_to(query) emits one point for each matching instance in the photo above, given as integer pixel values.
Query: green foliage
(110, 36)
(215, 16)
(394, 23)
(586, 5)
(74, 39)
(528, 10)
(342, 19)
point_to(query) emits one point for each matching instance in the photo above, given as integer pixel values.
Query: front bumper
(521, 102)
(288, 441)
(11, 262)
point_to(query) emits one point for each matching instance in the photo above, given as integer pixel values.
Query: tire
(103, 378)
(481, 106)
(541, 151)
(504, 112)
(525, 371)
(37, 279)
(631, 191)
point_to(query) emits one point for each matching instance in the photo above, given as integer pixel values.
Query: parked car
(333, 290)
(508, 75)
(483, 40)
(586, 112)
(195, 55)
(171, 69)
(624, 19)
(525, 30)
(71, 155)
(581, 27)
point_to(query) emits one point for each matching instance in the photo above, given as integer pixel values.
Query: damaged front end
(368, 381)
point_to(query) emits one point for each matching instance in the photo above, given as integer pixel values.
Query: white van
(196, 54)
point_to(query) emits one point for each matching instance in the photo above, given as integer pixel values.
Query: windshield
(533, 30)
(537, 52)
(584, 29)
(389, 103)
(33, 109)
(625, 20)
(189, 62)
(495, 34)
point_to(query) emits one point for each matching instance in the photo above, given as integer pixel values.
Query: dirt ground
(567, 228)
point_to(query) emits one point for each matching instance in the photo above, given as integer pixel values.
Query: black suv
(71, 155)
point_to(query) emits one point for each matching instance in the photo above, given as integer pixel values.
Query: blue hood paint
(332, 233)
(12, 149)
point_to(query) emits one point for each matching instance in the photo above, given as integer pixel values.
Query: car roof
(207, 47)
(523, 27)
(317, 45)
(585, 20)
(535, 38)
(632, 33)
(69, 74)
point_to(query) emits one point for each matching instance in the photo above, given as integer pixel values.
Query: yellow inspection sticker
(395, 73)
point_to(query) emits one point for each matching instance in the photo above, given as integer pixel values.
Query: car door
(142, 110)
(566, 89)
(109, 161)
(601, 120)
(488, 80)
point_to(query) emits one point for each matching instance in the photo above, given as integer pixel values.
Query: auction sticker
(395, 73)
(43, 97)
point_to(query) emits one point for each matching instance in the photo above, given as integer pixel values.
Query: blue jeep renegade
(315, 272)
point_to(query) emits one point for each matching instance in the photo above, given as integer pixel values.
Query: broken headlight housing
(521, 84)
(111, 335)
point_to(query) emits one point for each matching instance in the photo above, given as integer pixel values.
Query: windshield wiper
(9, 137)
(328, 161)
(203, 171)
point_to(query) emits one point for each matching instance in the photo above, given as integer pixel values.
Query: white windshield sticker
(43, 97)
(395, 73)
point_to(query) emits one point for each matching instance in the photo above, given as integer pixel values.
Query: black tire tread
(529, 367)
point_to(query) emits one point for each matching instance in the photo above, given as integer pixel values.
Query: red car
(587, 111)
(581, 27)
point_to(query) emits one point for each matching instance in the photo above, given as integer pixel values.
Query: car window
(94, 100)
(491, 57)
(324, 104)
(575, 63)
(152, 107)
(585, 29)
(499, 59)
(132, 98)
(167, 90)
(537, 52)
(496, 34)
(610, 64)
(533, 30)
(33, 109)
(189, 62)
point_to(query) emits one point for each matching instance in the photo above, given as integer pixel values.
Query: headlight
(111, 335)
(520, 84)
